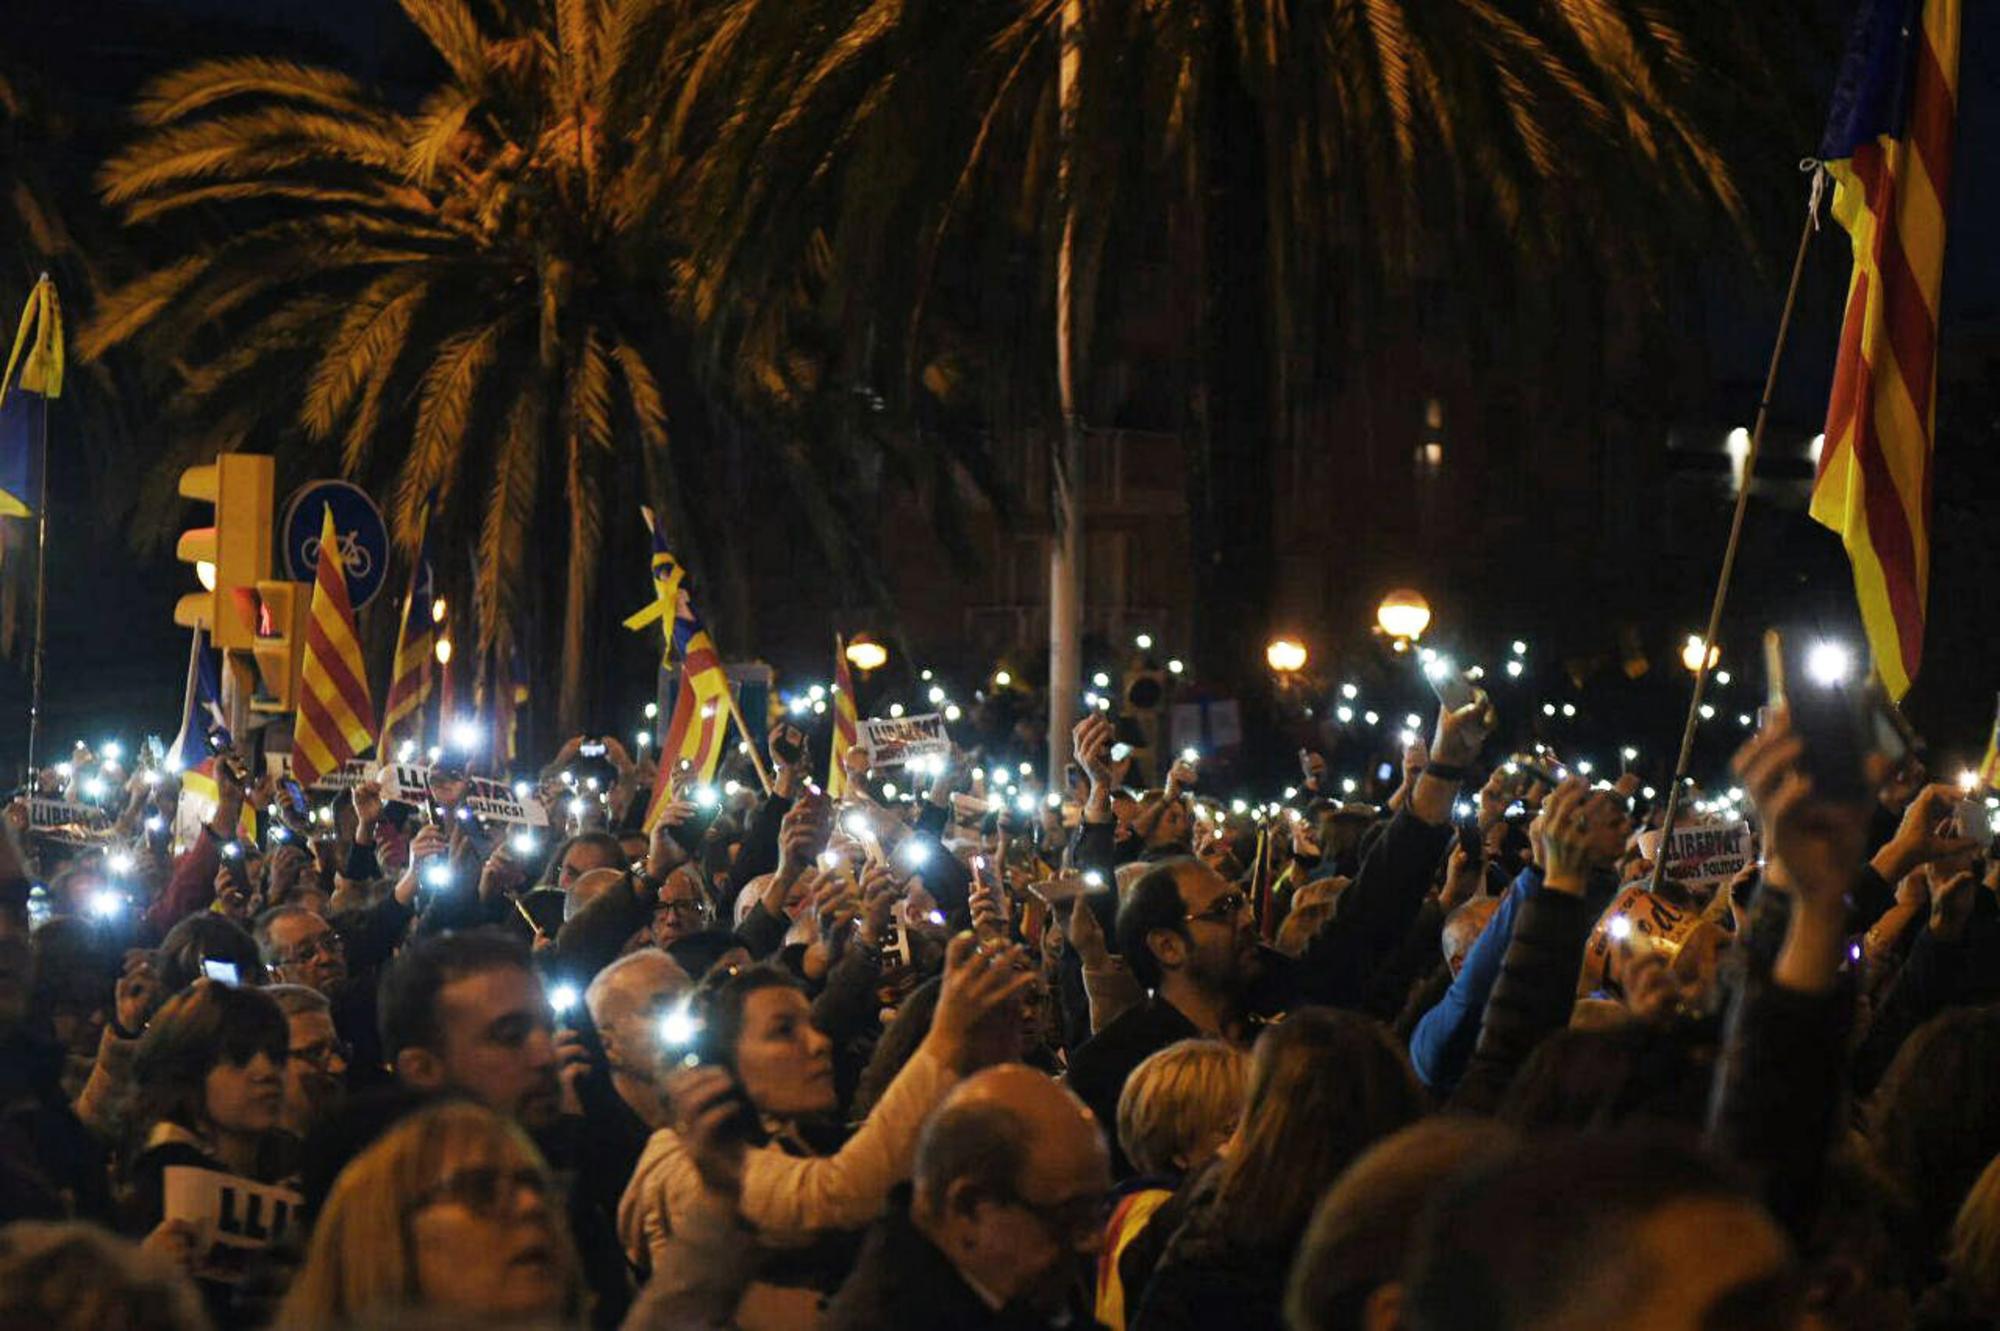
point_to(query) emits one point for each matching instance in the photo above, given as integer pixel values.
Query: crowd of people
(1120, 1057)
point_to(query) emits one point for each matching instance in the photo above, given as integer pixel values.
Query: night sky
(116, 661)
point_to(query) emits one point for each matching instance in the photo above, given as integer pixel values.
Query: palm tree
(1301, 163)
(480, 296)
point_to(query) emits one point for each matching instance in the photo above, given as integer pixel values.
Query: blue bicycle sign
(363, 537)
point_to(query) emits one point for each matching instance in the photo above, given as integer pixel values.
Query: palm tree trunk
(1230, 457)
(1066, 498)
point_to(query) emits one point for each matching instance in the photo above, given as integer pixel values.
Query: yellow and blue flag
(34, 366)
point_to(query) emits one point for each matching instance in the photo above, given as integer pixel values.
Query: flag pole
(756, 758)
(41, 590)
(1729, 551)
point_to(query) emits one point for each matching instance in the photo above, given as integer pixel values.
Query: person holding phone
(701, 1183)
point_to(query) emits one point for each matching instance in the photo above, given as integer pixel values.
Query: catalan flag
(846, 720)
(336, 721)
(35, 365)
(416, 643)
(699, 725)
(1888, 147)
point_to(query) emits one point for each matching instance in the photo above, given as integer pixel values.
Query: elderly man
(315, 1059)
(1010, 1179)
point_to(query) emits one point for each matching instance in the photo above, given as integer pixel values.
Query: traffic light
(282, 611)
(233, 555)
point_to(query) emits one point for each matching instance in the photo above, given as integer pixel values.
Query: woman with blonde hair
(1177, 1109)
(1324, 1086)
(449, 1214)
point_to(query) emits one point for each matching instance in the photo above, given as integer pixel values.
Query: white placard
(233, 1218)
(895, 740)
(1708, 854)
(344, 777)
(493, 801)
(46, 814)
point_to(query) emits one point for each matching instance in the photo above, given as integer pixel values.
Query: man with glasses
(683, 909)
(1190, 941)
(315, 1059)
(1003, 1222)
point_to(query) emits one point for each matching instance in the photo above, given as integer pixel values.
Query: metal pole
(41, 594)
(1066, 548)
(1735, 540)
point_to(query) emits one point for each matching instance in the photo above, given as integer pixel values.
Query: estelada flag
(335, 721)
(34, 365)
(1888, 147)
(699, 725)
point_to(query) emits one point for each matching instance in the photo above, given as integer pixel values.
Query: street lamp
(1691, 654)
(865, 654)
(1403, 615)
(1285, 656)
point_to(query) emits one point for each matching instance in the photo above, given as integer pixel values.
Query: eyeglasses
(322, 1054)
(685, 906)
(488, 1192)
(328, 944)
(1225, 909)
(1069, 1221)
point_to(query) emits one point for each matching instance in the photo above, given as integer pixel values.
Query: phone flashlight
(562, 998)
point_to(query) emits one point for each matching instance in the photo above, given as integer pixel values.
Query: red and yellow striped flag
(1888, 147)
(416, 643)
(336, 721)
(846, 721)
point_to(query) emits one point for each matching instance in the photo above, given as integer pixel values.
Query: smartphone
(222, 972)
(790, 750)
(591, 749)
(1831, 712)
(216, 740)
(1467, 831)
(683, 1033)
(295, 798)
(1120, 752)
(1452, 688)
(1972, 819)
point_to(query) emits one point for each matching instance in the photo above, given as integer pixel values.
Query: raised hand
(980, 981)
(1091, 744)
(1925, 835)
(705, 1103)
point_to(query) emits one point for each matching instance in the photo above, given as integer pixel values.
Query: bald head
(1011, 1175)
(626, 1001)
(589, 886)
(1002, 1125)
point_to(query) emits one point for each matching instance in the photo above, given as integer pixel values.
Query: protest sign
(344, 777)
(233, 1218)
(1706, 855)
(492, 801)
(66, 820)
(1636, 919)
(896, 740)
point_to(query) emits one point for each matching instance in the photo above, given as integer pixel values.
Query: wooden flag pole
(756, 756)
(41, 591)
(1735, 534)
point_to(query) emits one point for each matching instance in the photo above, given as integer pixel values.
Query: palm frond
(444, 412)
(123, 313)
(373, 331)
(181, 93)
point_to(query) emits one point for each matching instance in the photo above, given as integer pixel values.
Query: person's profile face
(580, 860)
(497, 1044)
(782, 1059)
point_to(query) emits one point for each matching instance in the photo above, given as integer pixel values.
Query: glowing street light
(865, 654)
(1403, 615)
(1286, 656)
(1691, 653)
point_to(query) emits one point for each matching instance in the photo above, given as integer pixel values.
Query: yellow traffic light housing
(282, 611)
(234, 555)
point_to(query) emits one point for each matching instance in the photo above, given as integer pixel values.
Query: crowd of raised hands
(937, 1056)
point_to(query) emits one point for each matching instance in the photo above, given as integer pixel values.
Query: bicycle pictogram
(355, 560)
